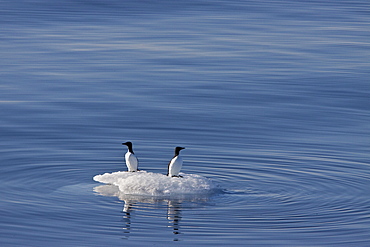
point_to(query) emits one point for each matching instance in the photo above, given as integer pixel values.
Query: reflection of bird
(127, 207)
(131, 160)
(127, 219)
(174, 216)
(175, 164)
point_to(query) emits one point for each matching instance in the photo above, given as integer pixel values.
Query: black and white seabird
(131, 160)
(175, 164)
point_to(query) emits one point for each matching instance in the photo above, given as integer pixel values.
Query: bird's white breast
(131, 162)
(175, 166)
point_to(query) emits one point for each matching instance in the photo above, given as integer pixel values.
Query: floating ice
(155, 184)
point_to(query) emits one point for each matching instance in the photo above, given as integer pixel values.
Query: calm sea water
(270, 99)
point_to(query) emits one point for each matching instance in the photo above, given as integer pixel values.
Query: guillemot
(131, 160)
(175, 164)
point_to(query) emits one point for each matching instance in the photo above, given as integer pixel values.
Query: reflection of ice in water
(174, 206)
(155, 189)
(112, 190)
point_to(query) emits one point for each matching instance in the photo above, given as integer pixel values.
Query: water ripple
(295, 192)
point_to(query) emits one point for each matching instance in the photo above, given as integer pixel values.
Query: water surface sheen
(270, 99)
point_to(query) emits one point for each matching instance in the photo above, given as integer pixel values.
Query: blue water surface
(270, 99)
